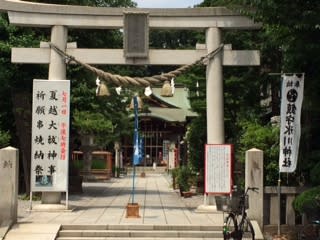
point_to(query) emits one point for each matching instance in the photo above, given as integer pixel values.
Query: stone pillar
(290, 216)
(9, 172)
(254, 178)
(274, 208)
(215, 99)
(57, 66)
(57, 71)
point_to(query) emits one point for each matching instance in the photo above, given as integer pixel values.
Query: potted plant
(174, 175)
(200, 181)
(308, 202)
(183, 179)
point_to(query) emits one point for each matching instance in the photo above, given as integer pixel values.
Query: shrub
(308, 201)
(98, 164)
(78, 164)
(183, 178)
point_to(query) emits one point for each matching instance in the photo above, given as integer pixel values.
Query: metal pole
(133, 180)
(67, 200)
(135, 154)
(30, 207)
(279, 203)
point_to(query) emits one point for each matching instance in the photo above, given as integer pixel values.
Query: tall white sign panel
(291, 102)
(50, 135)
(218, 168)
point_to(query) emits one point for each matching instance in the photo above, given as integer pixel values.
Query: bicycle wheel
(247, 230)
(230, 228)
(308, 232)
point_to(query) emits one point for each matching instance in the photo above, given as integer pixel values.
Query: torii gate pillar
(215, 105)
(57, 65)
(57, 71)
(215, 102)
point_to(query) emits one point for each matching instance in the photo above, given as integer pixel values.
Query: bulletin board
(218, 168)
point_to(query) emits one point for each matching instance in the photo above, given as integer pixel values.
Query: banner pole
(279, 203)
(135, 144)
(133, 180)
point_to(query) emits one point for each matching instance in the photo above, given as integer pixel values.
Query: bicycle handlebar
(254, 189)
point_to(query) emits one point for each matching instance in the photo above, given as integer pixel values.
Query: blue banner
(136, 142)
(141, 149)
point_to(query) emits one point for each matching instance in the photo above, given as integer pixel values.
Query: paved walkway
(105, 203)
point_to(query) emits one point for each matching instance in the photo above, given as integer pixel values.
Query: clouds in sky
(167, 3)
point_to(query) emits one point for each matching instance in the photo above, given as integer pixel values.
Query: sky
(167, 3)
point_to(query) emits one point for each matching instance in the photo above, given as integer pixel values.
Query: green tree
(254, 134)
(16, 85)
(4, 139)
(196, 135)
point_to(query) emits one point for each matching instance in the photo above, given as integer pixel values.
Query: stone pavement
(105, 203)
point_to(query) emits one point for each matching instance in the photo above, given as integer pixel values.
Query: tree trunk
(23, 117)
(87, 145)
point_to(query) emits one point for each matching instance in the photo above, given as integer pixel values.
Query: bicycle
(310, 231)
(237, 225)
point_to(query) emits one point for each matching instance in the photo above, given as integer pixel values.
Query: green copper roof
(179, 99)
(178, 106)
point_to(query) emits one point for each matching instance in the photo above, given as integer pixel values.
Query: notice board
(218, 168)
(50, 135)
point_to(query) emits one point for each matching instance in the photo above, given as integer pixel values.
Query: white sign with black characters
(218, 168)
(50, 135)
(291, 102)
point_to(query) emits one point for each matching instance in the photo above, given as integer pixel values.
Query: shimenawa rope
(138, 81)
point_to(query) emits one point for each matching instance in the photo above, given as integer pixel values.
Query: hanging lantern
(140, 103)
(166, 90)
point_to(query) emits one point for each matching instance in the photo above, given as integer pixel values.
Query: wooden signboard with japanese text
(218, 168)
(50, 135)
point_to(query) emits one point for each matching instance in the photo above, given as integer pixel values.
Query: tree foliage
(4, 139)
(266, 137)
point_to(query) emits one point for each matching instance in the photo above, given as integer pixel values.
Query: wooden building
(162, 124)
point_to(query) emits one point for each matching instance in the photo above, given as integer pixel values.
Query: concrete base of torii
(51, 208)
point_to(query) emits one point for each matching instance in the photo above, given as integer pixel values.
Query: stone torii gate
(60, 18)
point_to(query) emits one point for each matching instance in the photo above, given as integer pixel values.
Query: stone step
(139, 234)
(130, 238)
(121, 232)
(144, 227)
